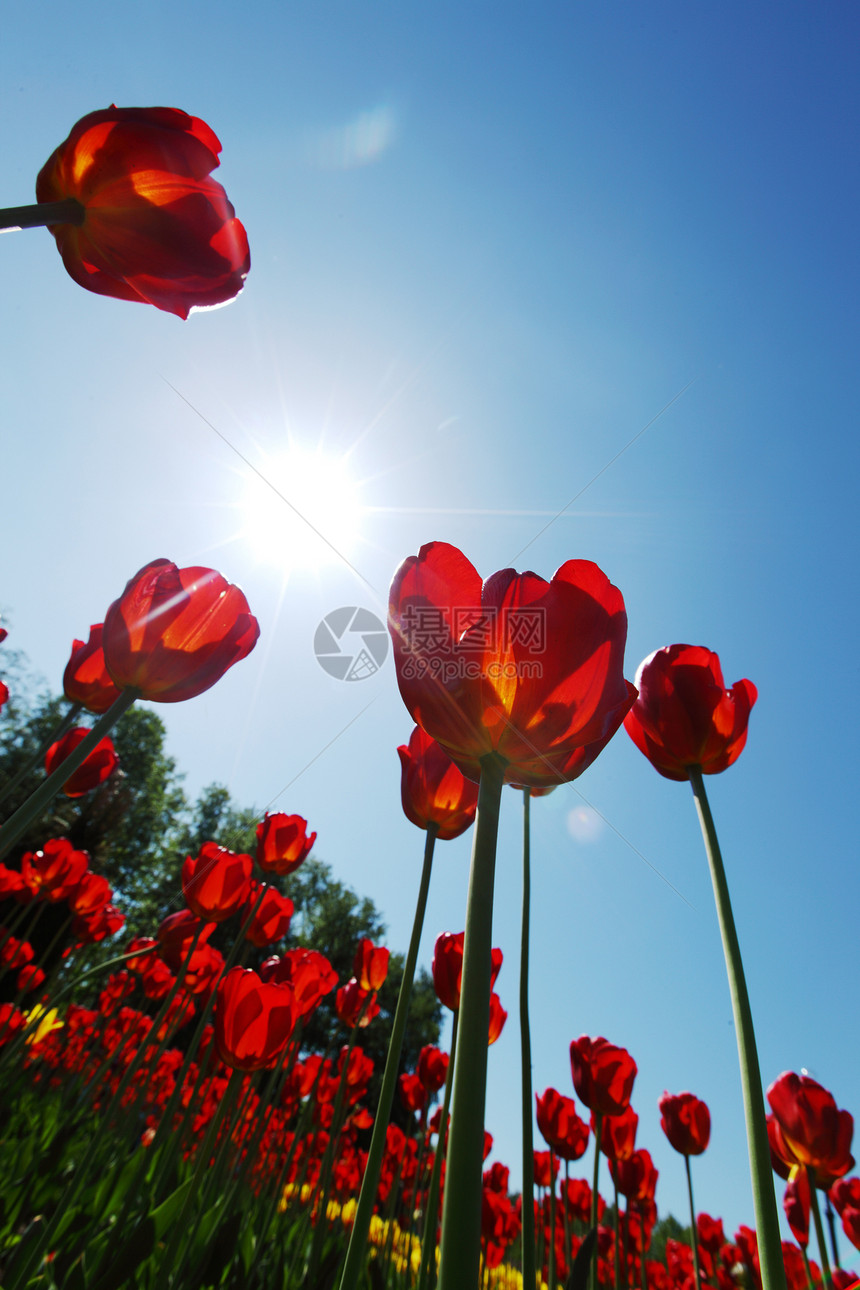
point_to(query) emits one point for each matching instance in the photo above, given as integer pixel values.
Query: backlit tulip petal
(156, 228)
(684, 716)
(174, 632)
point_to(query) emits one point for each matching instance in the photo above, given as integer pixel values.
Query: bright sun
(310, 515)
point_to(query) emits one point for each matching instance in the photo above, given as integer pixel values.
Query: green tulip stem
(39, 755)
(694, 1231)
(69, 211)
(764, 1200)
(550, 1276)
(831, 1227)
(617, 1260)
(809, 1281)
(428, 1243)
(595, 1194)
(528, 1214)
(460, 1259)
(367, 1196)
(566, 1213)
(819, 1231)
(37, 803)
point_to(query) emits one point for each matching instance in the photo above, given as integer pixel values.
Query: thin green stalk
(598, 1128)
(566, 1215)
(693, 1228)
(764, 1200)
(831, 1227)
(32, 763)
(38, 214)
(428, 1243)
(528, 1213)
(819, 1232)
(355, 1254)
(551, 1251)
(460, 1263)
(617, 1241)
(37, 803)
(809, 1281)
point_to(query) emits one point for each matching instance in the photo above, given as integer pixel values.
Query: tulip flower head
(283, 843)
(603, 1075)
(174, 632)
(149, 224)
(86, 680)
(433, 790)
(99, 766)
(447, 968)
(686, 1122)
(216, 882)
(528, 670)
(816, 1133)
(253, 1021)
(684, 716)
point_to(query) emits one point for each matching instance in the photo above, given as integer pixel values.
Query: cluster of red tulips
(164, 1123)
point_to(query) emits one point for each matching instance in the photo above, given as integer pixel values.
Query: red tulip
(94, 770)
(307, 971)
(154, 227)
(29, 978)
(271, 922)
(685, 716)
(636, 1178)
(618, 1135)
(90, 894)
(432, 1068)
(816, 1132)
(216, 883)
(86, 680)
(354, 1006)
(562, 1128)
(413, 1094)
(55, 871)
(370, 964)
(498, 1017)
(603, 1074)
(282, 843)
(176, 934)
(711, 1234)
(447, 968)
(253, 1021)
(433, 790)
(686, 1122)
(796, 1203)
(13, 885)
(97, 925)
(174, 632)
(845, 1193)
(526, 669)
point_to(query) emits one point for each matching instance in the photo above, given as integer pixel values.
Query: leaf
(578, 1279)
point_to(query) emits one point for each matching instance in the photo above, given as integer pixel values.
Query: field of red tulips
(170, 1119)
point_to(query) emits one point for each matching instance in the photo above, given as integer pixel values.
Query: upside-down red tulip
(253, 1021)
(684, 716)
(370, 964)
(174, 632)
(86, 680)
(527, 669)
(216, 882)
(433, 790)
(94, 770)
(283, 843)
(816, 1132)
(603, 1074)
(686, 1122)
(154, 226)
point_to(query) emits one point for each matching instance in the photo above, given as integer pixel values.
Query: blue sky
(489, 245)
